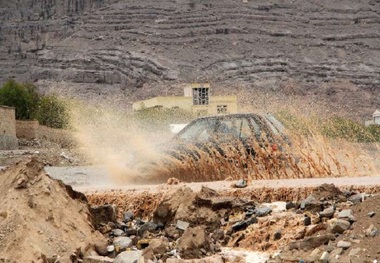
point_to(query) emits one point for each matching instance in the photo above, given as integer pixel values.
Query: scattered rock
(371, 231)
(339, 225)
(343, 244)
(128, 216)
(103, 214)
(290, 205)
(117, 232)
(148, 226)
(129, 257)
(122, 243)
(371, 214)
(357, 198)
(307, 220)
(328, 212)
(182, 225)
(240, 184)
(324, 257)
(101, 248)
(192, 242)
(346, 214)
(262, 211)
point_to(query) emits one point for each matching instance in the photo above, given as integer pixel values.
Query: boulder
(346, 214)
(103, 214)
(193, 243)
(129, 257)
(343, 244)
(122, 243)
(328, 212)
(262, 211)
(339, 225)
(148, 226)
(101, 247)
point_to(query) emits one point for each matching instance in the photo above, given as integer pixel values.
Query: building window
(200, 96)
(221, 109)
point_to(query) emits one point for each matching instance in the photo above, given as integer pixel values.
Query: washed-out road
(97, 178)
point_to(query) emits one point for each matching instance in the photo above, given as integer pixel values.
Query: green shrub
(23, 97)
(338, 127)
(334, 127)
(52, 112)
(30, 105)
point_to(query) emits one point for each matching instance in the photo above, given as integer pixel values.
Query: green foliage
(52, 112)
(335, 127)
(338, 127)
(23, 97)
(48, 110)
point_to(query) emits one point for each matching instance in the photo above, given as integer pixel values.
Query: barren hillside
(324, 49)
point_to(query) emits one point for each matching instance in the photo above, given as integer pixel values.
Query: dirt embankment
(41, 218)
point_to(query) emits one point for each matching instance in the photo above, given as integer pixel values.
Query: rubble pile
(50, 222)
(188, 226)
(338, 226)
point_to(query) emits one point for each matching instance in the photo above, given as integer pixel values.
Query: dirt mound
(40, 216)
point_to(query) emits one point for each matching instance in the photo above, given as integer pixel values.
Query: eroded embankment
(143, 203)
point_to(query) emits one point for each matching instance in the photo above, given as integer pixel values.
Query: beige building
(8, 139)
(196, 99)
(375, 119)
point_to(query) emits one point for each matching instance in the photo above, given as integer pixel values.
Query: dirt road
(96, 178)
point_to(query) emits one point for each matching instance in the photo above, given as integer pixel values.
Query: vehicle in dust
(223, 133)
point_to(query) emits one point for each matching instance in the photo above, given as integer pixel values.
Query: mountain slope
(90, 47)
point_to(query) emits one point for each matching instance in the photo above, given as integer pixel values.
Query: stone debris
(189, 226)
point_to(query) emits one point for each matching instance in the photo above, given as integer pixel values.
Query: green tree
(52, 112)
(23, 97)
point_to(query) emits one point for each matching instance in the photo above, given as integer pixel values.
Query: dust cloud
(111, 136)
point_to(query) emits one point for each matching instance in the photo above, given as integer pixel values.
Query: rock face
(107, 46)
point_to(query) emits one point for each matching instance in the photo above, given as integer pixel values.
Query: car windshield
(200, 130)
(220, 129)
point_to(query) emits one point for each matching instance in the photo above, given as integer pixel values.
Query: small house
(197, 99)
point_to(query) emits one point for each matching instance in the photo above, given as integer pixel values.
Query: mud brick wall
(27, 129)
(31, 130)
(62, 137)
(8, 139)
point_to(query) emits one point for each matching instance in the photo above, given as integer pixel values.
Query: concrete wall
(8, 139)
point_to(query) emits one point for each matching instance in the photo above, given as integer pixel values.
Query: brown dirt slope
(38, 216)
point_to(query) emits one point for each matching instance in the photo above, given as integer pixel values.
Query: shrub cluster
(30, 105)
(334, 127)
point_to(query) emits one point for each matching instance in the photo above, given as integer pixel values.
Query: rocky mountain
(329, 50)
